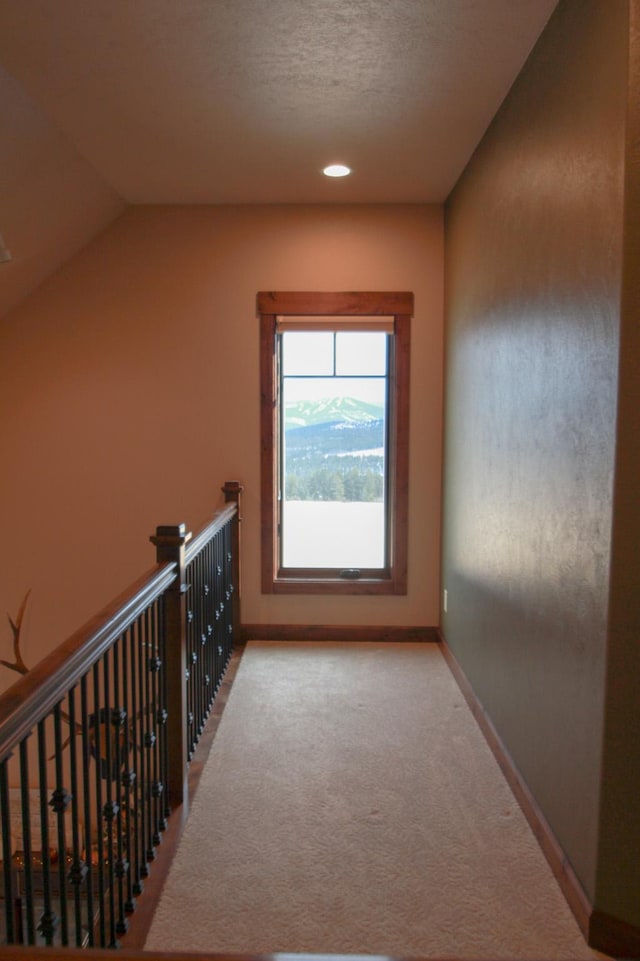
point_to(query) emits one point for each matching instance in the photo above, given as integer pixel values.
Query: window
(334, 423)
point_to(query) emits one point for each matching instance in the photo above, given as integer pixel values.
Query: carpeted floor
(351, 805)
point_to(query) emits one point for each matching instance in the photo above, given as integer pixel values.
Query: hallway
(350, 804)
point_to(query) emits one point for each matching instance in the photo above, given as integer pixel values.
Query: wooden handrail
(209, 530)
(34, 694)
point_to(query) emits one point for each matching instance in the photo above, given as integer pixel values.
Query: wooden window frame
(270, 306)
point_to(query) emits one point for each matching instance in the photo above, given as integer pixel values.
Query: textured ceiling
(243, 101)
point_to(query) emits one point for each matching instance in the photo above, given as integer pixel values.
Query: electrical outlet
(445, 599)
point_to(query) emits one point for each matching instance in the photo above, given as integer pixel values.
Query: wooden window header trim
(353, 304)
(309, 322)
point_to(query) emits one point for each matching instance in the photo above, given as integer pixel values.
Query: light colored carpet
(351, 805)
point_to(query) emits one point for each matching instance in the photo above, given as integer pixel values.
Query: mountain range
(334, 450)
(331, 410)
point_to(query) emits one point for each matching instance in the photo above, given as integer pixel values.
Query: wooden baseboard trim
(614, 937)
(556, 858)
(319, 632)
(601, 931)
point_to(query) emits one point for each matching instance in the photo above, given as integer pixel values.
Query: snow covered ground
(333, 534)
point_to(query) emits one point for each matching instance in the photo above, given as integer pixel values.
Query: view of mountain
(334, 450)
(304, 413)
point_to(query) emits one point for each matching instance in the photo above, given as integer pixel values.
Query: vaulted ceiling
(106, 103)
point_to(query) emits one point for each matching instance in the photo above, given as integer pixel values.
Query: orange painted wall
(129, 393)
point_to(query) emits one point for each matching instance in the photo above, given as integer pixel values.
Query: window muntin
(281, 312)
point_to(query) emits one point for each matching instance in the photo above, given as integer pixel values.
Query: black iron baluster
(136, 737)
(86, 792)
(197, 601)
(200, 601)
(210, 679)
(162, 715)
(149, 743)
(191, 635)
(143, 723)
(118, 722)
(218, 545)
(60, 801)
(111, 806)
(201, 638)
(97, 742)
(208, 630)
(159, 719)
(206, 620)
(191, 708)
(192, 629)
(230, 588)
(49, 919)
(6, 855)
(27, 848)
(78, 869)
(128, 773)
(154, 664)
(197, 692)
(222, 638)
(211, 624)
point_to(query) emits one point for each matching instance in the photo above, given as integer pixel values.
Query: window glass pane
(333, 534)
(307, 352)
(333, 464)
(361, 352)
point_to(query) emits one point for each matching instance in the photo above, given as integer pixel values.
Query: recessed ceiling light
(336, 170)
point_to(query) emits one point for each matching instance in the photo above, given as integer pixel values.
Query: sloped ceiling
(51, 200)
(238, 101)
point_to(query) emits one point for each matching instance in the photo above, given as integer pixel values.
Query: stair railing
(95, 740)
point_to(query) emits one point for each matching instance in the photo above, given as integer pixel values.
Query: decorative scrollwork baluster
(49, 920)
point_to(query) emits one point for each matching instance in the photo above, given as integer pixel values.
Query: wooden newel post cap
(169, 541)
(232, 490)
(171, 535)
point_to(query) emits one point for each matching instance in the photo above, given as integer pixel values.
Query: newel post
(170, 542)
(232, 491)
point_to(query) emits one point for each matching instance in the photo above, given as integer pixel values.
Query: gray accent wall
(541, 481)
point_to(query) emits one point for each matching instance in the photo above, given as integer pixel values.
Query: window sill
(335, 585)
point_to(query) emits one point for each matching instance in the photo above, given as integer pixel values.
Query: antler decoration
(16, 626)
(19, 665)
(21, 668)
